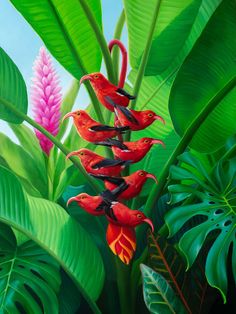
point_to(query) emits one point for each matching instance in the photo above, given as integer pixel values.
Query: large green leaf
(24, 165)
(213, 198)
(26, 271)
(12, 89)
(172, 28)
(66, 31)
(51, 227)
(206, 75)
(158, 294)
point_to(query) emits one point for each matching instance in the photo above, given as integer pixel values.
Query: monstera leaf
(213, 198)
(158, 294)
(13, 90)
(26, 271)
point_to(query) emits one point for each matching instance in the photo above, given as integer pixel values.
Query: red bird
(134, 183)
(96, 164)
(91, 130)
(136, 120)
(132, 151)
(103, 89)
(120, 234)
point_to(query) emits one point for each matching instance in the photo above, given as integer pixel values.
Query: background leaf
(26, 272)
(172, 28)
(12, 89)
(72, 41)
(213, 55)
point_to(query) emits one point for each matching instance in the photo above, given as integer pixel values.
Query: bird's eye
(96, 76)
(146, 141)
(141, 174)
(81, 153)
(139, 216)
(150, 115)
(82, 197)
(78, 113)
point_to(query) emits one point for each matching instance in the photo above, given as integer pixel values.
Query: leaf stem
(53, 139)
(145, 55)
(100, 38)
(184, 142)
(123, 50)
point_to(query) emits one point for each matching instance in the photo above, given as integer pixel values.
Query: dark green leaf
(30, 278)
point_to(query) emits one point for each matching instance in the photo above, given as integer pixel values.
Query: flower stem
(123, 50)
(184, 142)
(64, 150)
(100, 38)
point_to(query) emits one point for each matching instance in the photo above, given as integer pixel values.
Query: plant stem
(230, 153)
(95, 102)
(100, 38)
(115, 51)
(64, 150)
(184, 142)
(145, 55)
(123, 280)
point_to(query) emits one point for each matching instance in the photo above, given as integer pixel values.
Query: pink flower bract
(46, 98)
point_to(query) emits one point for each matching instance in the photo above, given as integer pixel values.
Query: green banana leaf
(205, 83)
(66, 31)
(173, 25)
(14, 92)
(48, 225)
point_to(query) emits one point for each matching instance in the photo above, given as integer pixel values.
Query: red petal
(122, 241)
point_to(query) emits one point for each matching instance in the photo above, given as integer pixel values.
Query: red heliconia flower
(46, 98)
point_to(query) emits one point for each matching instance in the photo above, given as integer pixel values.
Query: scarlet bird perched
(103, 88)
(120, 234)
(96, 164)
(91, 130)
(133, 151)
(136, 120)
(134, 183)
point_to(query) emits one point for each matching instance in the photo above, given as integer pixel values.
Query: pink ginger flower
(46, 98)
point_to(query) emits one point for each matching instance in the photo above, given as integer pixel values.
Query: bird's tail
(122, 241)
(114, 194)
(113, 142)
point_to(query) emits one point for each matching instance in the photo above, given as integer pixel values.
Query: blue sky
(22, 44)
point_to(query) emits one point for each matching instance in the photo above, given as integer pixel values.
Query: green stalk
(116, 52)
(101, 40)
(184, 142)
(146, 52)
(123, 283)
(53, 139)
(95, 102)
(229, 154)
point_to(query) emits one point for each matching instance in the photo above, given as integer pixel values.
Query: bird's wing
(126, 112)
(122, 92)
(112, 142)
(97, 128)
(113, 195)
(110, 163)
(115, 180)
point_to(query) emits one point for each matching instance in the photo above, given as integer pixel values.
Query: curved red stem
(123, 50)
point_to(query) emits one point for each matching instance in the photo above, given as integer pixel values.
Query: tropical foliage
(54, 258)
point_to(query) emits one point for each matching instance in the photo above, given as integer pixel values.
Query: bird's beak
(156, 117)
(70, 200)
(69, 114)
(75, 153)
(158, 142)
(85, 78)
(148, 221)
(151, 176)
